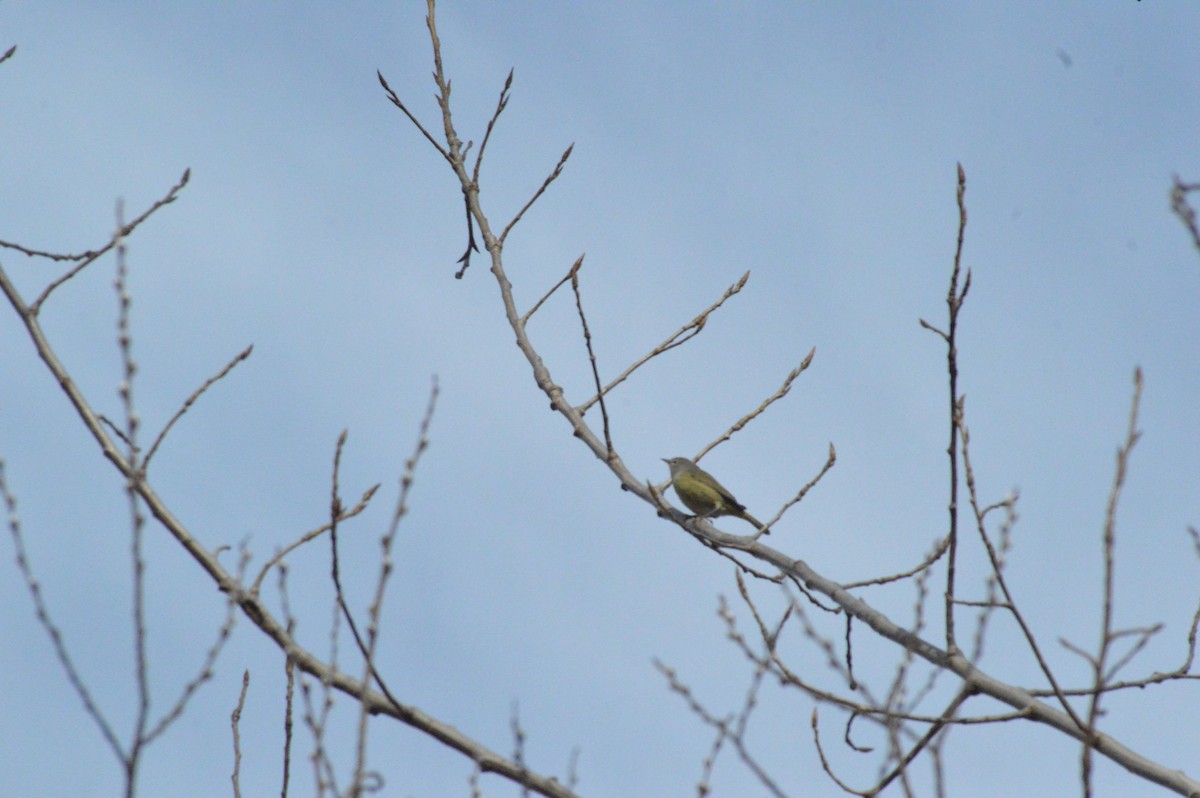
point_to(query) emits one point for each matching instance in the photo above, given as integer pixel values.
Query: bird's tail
(759, 525)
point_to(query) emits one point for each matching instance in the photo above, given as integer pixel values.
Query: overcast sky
(813, 145)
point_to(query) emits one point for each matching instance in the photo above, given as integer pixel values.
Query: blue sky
(813, 145)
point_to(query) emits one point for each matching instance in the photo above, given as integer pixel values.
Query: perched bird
(703, 495)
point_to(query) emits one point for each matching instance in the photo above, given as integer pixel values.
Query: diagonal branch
(950, 658)
(249, 602)
(569, 276)
(1010, 603)
(770, 400)
(562, 161)
(42, 610)
(191, 400)
(91, 256)
(678, 338)
(396, 101)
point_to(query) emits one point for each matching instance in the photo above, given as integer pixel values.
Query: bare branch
(248, 599)
(43, 615)
(722, 725)
(770, 400)
(934, 329)
(465, 258)
(954, 300)
(830, 460)
(1183, 209)
(396, 101)
(731, 729)
(920, 745)
(1009, 505)
(235, 718)
(90, 257)
(375, 611)
(562, 161)
(679, 337)
(196, 394)
(998, 573)
(825, 762)
(206, 668)
(1191, 636)
(1142, 638)
(137, 520)
(501, 104)
(936, 554)
(569, 276)
(1107, 636)
(703, 787)
(289, 707)
(310, 535)
(587, 339)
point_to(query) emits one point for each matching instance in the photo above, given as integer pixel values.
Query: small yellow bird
(703, 495)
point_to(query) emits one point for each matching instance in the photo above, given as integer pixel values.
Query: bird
(703, 495)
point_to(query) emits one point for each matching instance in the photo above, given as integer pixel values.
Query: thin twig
(1129, 684)
(1009, 504)
(465, 258)
(279, 632)
(375, 610)
(677, 338)
(587, 339)
(562, 161)
(1183, 209)
(90, 257)
(722, 725)
(501, 104)
(235, 718)
(396, 101)
(191, 400)
(936, 554)
(59, 257)
(137, 520)
(315, 717)
(310, 535)
(770, 400)
(1143, 637)
(1107, 636)
(288, 711)
(570, 275)
(924, 741)
(709, 763)
(42, 610)
(825, 762)
(954, 301)
(1191, 636)
(1002, 583)
(206, 667)
(830, 460)
(115, 430)
(573, 769)
(518, 743)
(832, 660)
